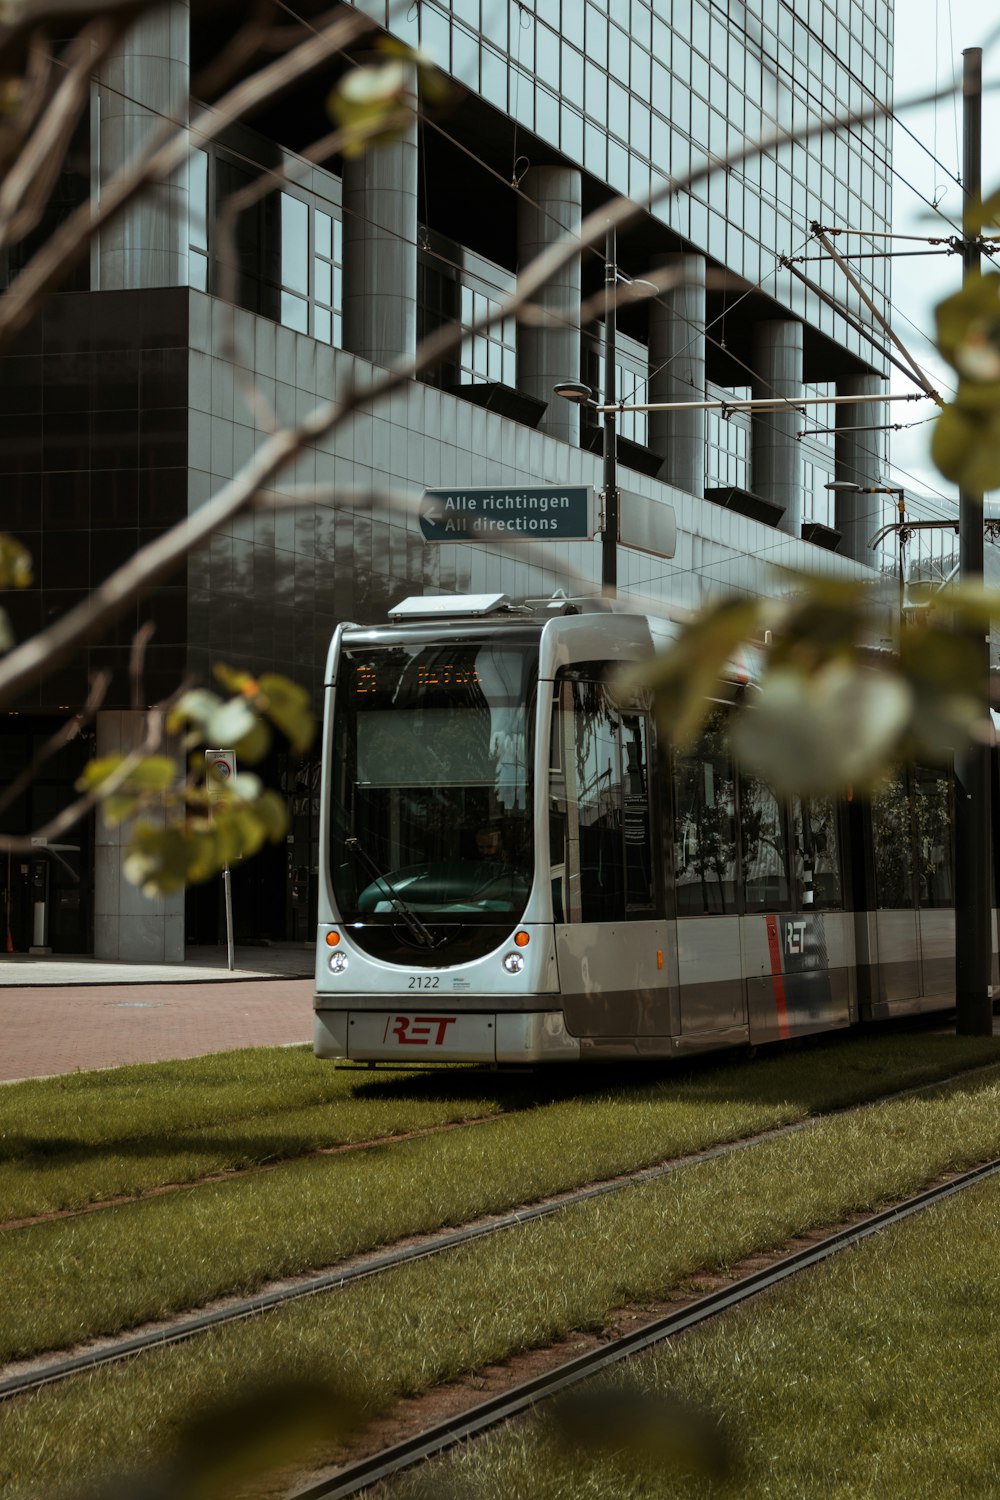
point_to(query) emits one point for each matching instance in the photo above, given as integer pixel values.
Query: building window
(198, 221)
(727, 442)
(489, 356)
(454, 283)
(631, 382)
(312, 257)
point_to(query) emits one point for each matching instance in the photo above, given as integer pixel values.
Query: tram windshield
(431, 787)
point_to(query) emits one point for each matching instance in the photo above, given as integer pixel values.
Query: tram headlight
(338, 962)
(513, 962)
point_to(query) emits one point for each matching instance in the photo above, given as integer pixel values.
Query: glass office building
(154, 376)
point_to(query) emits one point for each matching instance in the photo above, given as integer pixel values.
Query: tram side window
(892, 832)
(764, 847)
(600, 827)
(817, 851)
(705, 825)
(933, 817)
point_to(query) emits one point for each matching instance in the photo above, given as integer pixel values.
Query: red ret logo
(416, 1031)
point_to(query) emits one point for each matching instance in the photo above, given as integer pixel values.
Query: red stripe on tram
(778, 978)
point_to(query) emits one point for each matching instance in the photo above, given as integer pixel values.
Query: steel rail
(435, 1441)
(109, 1352)
(46, 1368)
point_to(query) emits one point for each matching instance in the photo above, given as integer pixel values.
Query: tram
(515, 869)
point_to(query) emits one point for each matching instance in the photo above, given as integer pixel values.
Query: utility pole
(609, 537)
(973, 934)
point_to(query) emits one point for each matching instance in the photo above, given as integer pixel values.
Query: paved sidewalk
(65, 1015)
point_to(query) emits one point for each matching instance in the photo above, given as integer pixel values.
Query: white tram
(513, 869)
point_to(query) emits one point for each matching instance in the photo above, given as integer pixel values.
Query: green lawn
(872, 1376)
(103, 1272)
(426, 1323)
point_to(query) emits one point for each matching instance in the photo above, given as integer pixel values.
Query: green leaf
(159, 859)
(97, 771)
(636, 1427)
(228, 1449)
(255, 744)
(983, 215)
(686, 676)
(118, 808)
(152, 774)
(273, 814)
(236, 681)
(15, 564)
(287, 706)
(193, 710)
(968, 328)
(6, 633)
(835, 728)
(230, 723)
(965, 444)
(246, 787)
(366, 104)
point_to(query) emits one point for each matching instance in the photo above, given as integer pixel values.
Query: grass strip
(64, 1281)
(860, 1379)
(104, 1135)
(431, 1321)
(97, 1136)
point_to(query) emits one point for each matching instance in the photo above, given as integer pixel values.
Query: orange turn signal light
(332, 939)
(521, 939)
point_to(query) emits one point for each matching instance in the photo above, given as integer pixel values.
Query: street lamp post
(609, 537)
(582, 395)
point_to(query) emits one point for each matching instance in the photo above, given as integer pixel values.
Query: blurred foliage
(373, 104)
(818, 708)
(231, 1448)
(966, 441)
(15, 564)
(187, 826)
(15, 573)
(642, 1430)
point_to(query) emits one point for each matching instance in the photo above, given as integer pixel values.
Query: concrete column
(549, 354)
(146, 82)
(380, 250)
(677, 373)
(859, 461)
(776, 460)
(129, 926)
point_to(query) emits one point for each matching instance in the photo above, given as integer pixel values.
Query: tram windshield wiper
(420, 931)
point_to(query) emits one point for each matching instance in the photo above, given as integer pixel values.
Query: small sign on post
(220, 766)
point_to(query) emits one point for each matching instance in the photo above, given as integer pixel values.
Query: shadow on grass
(811, 1074)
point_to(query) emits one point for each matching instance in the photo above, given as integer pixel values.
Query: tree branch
(70, 816)
(63, 736)
(169, 149)
(26, 187)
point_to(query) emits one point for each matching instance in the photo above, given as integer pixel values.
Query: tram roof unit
(571, 630)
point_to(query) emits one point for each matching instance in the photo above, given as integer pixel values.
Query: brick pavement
(47, 1029)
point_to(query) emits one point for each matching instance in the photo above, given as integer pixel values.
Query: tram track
(39, 1370)
(477, 1418)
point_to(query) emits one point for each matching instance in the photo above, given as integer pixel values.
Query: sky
(930, 36)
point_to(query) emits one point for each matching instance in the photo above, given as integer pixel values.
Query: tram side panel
(713, 1010)
(801, 975)
(619, 987)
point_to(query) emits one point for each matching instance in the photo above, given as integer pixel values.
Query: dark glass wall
(93, 464)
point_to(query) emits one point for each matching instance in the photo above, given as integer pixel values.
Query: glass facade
(123, 410)
(660, 89)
